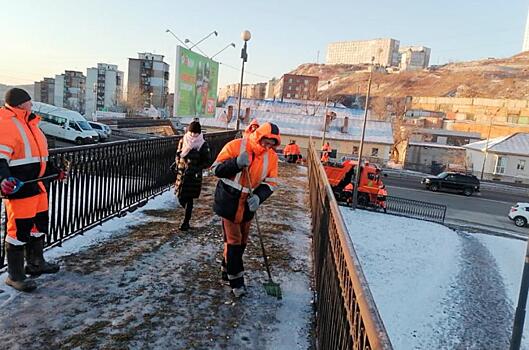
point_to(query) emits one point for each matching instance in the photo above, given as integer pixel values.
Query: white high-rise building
(105, 82)
(385, 52)
(526, 36)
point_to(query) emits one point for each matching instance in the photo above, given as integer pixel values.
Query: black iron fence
(347, 317)
(416, 209)
(109, 180)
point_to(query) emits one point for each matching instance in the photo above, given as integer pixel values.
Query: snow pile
(437, 288)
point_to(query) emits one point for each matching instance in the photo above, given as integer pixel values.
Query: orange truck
(371, 191)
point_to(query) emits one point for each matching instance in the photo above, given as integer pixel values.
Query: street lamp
(230, 44)
(198, 48)
(177, 38)
(204, 38)
(246, 36)
(361, 148)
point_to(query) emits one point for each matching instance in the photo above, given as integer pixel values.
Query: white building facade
(414, 58)
(503, 159)
(104, 88)
(385, 52)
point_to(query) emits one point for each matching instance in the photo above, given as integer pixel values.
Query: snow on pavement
(139, 283)
(436, 288)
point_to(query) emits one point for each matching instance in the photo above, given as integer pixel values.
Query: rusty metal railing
(347, 317)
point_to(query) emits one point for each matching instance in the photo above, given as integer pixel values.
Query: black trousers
(187, 203)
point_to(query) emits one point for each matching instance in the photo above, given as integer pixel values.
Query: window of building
(306, 82)
(501, 162)
(374, 152)
(521, 164)
(296, 96)
(289, 80)
(289, 88)
(288, 95)
(512, 119)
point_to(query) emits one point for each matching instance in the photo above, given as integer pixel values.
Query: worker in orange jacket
(325, 151)
(292, 152)
(23, 157)
(251, 128)
(255, 156)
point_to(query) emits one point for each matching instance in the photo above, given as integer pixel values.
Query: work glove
(62, 175)
(253, 202)
(8, 186)
(243, 160)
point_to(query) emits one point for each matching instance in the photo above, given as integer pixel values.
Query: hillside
(3, 88)
(489, 78)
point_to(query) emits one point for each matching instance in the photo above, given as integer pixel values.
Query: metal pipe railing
(347, 316)
(108, 180)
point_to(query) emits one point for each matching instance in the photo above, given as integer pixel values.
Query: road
(486, 209)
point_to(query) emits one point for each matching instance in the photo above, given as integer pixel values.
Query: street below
(487, 209)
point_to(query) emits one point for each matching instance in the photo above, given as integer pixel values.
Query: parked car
(64, 124)
(519, 214)
(451, 181)
(103, 130)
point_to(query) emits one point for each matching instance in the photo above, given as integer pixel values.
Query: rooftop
(517, 143)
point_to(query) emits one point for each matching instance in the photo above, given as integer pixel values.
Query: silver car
(103, 130)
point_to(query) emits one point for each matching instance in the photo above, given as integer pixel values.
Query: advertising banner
(196, 79)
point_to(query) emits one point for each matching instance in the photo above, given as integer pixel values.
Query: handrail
(348, 317)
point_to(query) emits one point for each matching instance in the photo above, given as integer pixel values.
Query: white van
(64, 124)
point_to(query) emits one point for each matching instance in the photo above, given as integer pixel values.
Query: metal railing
(109, 180)
(416, 209)
(347, 317)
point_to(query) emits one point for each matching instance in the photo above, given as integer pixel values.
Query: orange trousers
(26, 217)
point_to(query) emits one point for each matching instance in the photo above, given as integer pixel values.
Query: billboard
(196, 79)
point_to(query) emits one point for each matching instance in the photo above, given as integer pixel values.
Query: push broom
(271, 288)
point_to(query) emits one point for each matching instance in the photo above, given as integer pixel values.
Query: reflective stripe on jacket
(23, 150)
(233, 187)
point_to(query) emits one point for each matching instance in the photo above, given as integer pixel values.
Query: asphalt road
(487, 209)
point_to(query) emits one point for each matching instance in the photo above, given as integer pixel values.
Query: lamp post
(361, 148)
(204, 38)
(246, 35)
(325, 114)
(230, 44)
(187, 41)
(177, 38)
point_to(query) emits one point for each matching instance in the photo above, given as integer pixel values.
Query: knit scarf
(191, 142)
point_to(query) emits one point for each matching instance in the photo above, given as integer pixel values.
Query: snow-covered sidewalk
(436, 288)
(139, 283)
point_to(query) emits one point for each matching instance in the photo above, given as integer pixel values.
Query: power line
(246, 71)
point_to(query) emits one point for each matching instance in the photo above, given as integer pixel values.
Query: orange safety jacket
(233, 187)
(23, 150)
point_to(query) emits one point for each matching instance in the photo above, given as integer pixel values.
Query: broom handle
(258, 228)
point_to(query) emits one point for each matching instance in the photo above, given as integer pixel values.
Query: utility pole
(325, 114)
(244, 56)
(361, 148)
(519, 316)
(486, 149)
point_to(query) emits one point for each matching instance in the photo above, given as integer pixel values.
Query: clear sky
(44, 37)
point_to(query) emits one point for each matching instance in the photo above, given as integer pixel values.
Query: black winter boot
(36, 264)
(15, 269)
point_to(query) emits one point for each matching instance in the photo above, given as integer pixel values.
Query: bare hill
(489, 78)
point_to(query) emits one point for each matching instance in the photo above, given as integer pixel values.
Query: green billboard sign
(196, 84)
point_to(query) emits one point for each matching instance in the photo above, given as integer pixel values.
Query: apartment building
(148, 81)
(385, 51)
(45, 91)
(297, 87)
(414, 58)
(70, 90)
(255, 91)
(104, 88)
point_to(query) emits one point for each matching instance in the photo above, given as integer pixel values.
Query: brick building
(296, 87)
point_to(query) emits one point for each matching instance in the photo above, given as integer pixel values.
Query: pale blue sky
(45, 37)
